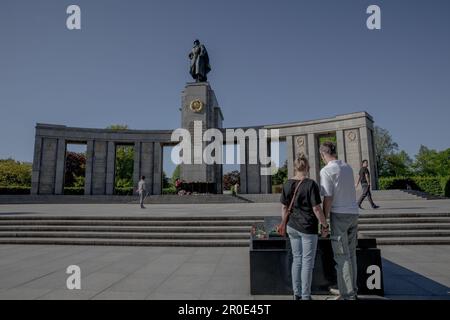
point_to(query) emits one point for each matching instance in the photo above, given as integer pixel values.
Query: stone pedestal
(199, 103)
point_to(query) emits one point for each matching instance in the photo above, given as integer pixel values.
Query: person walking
(142, 190)
(339, 203)
(364, 179)
(301, 213)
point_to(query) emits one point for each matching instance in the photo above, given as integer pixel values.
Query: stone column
(48, 166)
(253, 170)
(36, 165)
(243, 177)
(266, 180)
(353, 149)
(136, 165)
(290, 155)
(99, 167)
(340, 145)
(157, 168)
(147, 164)
(89, 167)
(313, 155)
(110, 167)
(367, 152)
(60, 166)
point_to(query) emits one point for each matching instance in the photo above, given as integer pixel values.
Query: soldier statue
(199, 62)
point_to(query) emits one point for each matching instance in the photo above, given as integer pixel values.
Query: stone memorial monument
(352, 132)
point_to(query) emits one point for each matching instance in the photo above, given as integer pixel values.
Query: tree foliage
(15, 173)
(281, 175)
(118, 127)
(431, 162)
(124, 166)
(394, 163)
(176, 174)
(75, 169)
(230, 179)
(385, 148)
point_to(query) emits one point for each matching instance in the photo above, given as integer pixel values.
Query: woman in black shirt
(301, 213)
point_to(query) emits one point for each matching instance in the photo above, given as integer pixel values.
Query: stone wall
(354, 135)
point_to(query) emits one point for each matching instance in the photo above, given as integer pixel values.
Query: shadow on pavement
(402, 283)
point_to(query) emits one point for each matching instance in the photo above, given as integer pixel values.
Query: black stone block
(271, 260)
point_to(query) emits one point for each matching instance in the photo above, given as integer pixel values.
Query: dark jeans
(366, 193)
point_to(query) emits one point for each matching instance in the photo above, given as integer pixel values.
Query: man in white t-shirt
(142, 191)
(337, 186)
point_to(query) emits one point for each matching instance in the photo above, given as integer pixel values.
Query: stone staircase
(128, 231)
(406, 228)
(205, 231)
(378, 195)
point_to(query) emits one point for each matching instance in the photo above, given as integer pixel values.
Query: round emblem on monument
(351, 135)
(300, 141)
(196, 105)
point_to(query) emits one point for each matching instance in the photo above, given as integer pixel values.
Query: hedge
(74, 190)
(439, 186)
(125, 191)
(15, 190)
(169, 190)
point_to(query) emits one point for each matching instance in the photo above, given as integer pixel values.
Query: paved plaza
(107, 272)
(220, 209)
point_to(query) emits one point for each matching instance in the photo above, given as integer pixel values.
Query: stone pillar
(340, 145)
(290, 155)
(199, 103)
(367, 152)
(147, 160)
(89, 167)
(99, 168)
(253, 170)
(353, 149)
(157, 168)
(48, 166)
(110, 167)
(136, 166)
(243, 177)
(266, 180)
(314, 161)
(36, 165)
(60, 166)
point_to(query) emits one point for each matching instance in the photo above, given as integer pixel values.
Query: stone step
(405, 233)
(414, 241)
(128, 242)
(219, 223)
(183, 229)
(206, 229)
(404, 226)
(378, 195)
(132, 218)
(403, 214)
(125, 235)
(406, 220)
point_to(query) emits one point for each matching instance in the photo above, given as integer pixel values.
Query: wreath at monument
(196, 105)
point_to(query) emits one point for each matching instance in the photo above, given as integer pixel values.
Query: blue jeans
(304, 247)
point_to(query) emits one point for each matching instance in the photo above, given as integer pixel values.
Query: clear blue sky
(272, 62)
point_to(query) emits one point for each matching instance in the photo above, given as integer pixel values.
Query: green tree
(165, 180)
(397, 164)
(75, 168)
(176, 174)
(15, 173)
(280, 176)
(385, 147)
(118, 127)
(124, 166)
(432, 162)
(230, 179)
